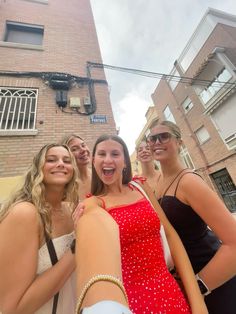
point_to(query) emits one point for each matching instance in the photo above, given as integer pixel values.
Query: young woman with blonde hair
(191, 206)
(81, 152)
(35, 226)
(145, 157)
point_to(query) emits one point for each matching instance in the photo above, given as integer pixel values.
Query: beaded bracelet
(95, 279)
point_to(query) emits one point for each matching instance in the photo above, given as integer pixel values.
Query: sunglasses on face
(163, 138)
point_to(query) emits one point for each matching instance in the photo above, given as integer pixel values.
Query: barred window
(17, 108)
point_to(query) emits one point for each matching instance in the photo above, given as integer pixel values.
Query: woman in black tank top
(205, 226)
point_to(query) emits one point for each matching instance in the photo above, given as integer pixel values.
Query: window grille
(226, 188)
(17, 108)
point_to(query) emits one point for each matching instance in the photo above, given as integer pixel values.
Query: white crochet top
(67, 295)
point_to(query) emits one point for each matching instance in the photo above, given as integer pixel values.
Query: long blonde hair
(68, 138)
(33, 189)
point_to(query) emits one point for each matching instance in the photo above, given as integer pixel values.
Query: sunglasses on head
(163, 138)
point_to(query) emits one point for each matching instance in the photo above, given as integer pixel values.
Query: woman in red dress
(149, 285)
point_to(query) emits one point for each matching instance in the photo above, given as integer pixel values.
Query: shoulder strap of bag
(54, 260)
(166, 248)
(139, 187)
(148, 194)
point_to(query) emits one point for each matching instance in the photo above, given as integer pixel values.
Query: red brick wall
(70, 41)
(70, 38)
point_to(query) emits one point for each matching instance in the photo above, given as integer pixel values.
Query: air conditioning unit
(75, 102)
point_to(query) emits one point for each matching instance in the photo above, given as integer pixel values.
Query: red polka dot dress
(150, 287)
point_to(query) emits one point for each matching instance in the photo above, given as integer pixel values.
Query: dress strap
(182, 177)
(137, 178)
(102, 201)
(99, 198)
(178, 174)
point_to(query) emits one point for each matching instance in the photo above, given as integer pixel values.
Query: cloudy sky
(147, 35)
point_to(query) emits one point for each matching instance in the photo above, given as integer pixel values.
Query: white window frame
(187, 104)
(215, 87)
(18, 107)
(202, 135)
(186, 158)
(173, 81)
(231, 141)
(226, 127)
(168, 115)
(23, 28)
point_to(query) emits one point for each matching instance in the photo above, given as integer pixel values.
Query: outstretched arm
(180, 259)
(98, 253)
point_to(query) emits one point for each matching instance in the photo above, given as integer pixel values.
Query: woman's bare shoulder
(91, 202)
(192, 179)
(24, 218)
(26, 212)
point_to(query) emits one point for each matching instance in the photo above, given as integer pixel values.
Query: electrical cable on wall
(167, 77)
(61, 83)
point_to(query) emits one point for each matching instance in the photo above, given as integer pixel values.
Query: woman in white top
(38, 214)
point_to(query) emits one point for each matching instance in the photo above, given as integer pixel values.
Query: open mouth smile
(108, 171)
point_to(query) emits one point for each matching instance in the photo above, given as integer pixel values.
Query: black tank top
(199, 241)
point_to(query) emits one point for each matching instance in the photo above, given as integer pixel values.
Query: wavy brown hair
(33, 189)
(98, 187)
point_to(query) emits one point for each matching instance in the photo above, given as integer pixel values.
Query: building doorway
(226, 188)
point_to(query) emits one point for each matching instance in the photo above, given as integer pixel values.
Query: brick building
(47, 87)
(203, 101)
(199, 95)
